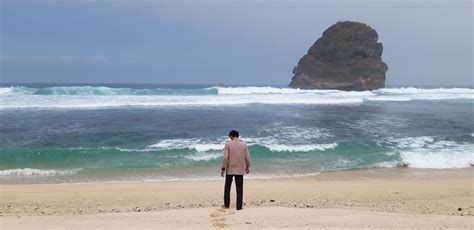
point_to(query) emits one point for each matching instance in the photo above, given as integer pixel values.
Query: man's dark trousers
(239, 184)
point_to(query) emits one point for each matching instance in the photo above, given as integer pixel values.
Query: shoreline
(401, 194)
(338, 174)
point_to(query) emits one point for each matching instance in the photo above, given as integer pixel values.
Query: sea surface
(99, 133)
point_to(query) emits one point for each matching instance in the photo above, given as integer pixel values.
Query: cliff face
(346, 57)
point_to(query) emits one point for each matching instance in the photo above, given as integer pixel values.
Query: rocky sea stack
(346, 57)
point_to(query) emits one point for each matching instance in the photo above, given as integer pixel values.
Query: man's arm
(247, 160)
(226, 159)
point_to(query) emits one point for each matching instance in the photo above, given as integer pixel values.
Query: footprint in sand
(218, 217)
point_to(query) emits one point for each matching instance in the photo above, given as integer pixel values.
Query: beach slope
(390, 198)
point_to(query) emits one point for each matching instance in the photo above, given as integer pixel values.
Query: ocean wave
(103, 90)
(411, 93)
(6, 90)
(35, 172)
(299, 148)
(111, 148)
(389, 98)
(414, 90)
(204, 156)
(433, 152)
(264, 90)
(104, 97)
(101, 101)
(342, 163)
(218, 145)
(388, 164)
(193, 143)
(385, 94)
(291, 133)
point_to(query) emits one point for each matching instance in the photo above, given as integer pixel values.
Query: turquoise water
(55, 134)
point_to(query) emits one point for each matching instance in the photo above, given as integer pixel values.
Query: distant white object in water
(219, 84)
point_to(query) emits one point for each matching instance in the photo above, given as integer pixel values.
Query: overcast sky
(235, 42)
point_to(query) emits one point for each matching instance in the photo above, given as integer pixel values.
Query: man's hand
(247, 171)
(222, 172)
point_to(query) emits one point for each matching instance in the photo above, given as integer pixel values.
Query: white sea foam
(193, 143)
(204, 156)
(431, 152)
(346, 163)
(454, 157)
(299, 148)
(203, 146)
(389, 98)
(275, 90)
(413, 90)
(5, 90)
(35, 172)
(413, 142)
(113, 148)
(259, 90)
(411, 93)
(100, 101)
(232, 96)
(295, 133)
(387, 164)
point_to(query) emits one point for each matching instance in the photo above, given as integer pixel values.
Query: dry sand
(389, 198)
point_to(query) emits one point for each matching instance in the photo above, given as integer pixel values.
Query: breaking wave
(103, 90)
(35, 172)
(202, 146)
(193, 143)
(411, 93)
(433, 152)
(300, 148)
(105, 97)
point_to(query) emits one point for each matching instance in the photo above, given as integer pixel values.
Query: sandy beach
(389, 198)
(136, 114)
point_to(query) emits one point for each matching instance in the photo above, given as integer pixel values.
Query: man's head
(233, 134)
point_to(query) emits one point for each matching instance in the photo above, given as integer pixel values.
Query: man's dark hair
(233, 133)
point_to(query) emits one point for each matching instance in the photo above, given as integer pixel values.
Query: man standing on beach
(236, 163)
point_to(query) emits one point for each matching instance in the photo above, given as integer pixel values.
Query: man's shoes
(223, 206)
